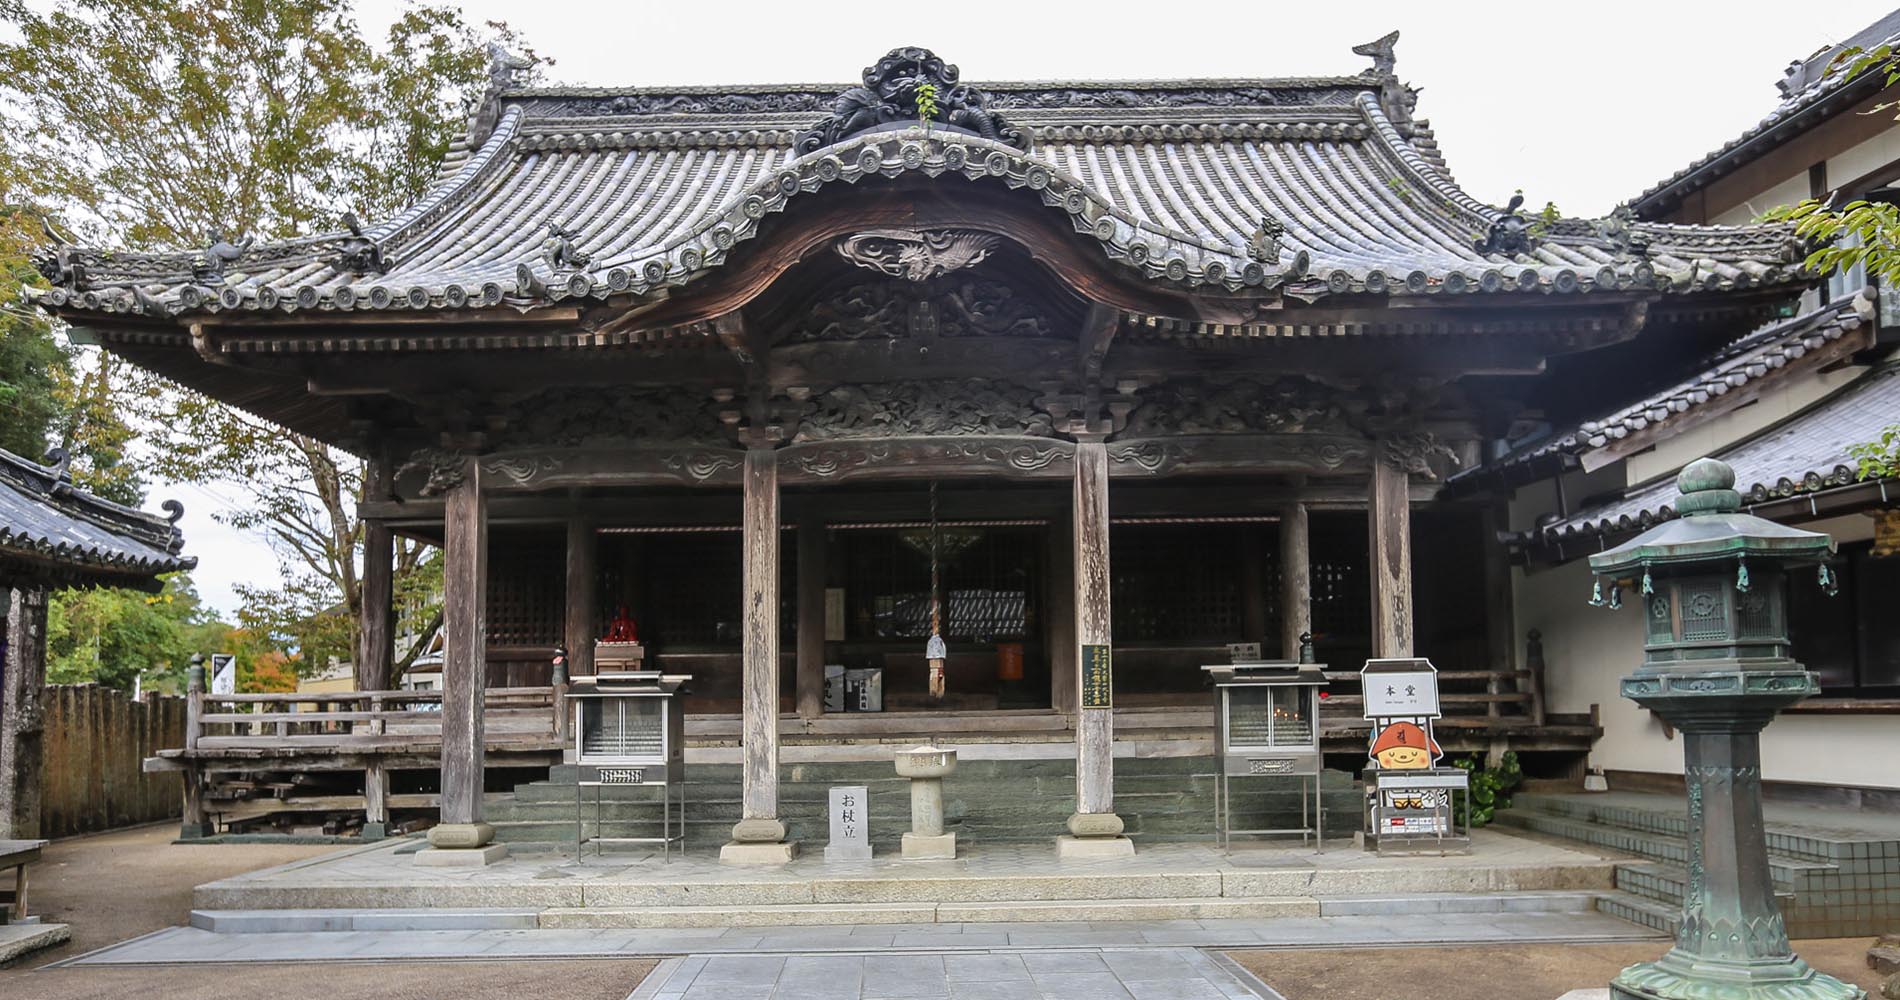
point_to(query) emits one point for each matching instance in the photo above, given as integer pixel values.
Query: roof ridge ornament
(1263, 244)
(1510, 233)
(889, 95)
(209, 267)
(506, 71)
(358, 253)
(1381, 50)
(917, 254)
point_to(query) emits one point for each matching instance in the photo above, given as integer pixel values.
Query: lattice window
(527, 586)
(691, 584)
(990, 577)
(1186, 583)
(1342, 581)
(1704, 610)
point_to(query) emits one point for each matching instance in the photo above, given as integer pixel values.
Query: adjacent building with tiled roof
(54, 534)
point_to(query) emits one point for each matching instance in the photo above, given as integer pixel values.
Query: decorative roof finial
(562, 251)
(1381, 52)
(209, 268)
(59, 462)
(1509, 234)
(1263, 244)
(506, 71)
(889, 95)
(1708, 487)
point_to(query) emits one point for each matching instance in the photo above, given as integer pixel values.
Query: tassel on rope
(1596, 591)
(1741, 576)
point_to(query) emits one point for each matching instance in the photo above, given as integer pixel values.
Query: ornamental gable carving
(938, 308)
(1240, 406)
(572, 418)
(932, 407)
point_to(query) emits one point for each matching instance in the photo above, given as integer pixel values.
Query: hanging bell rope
(934, 650)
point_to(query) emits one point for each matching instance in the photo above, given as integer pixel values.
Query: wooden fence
(95, 740)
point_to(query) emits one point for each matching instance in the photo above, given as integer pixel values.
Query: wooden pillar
(812, 559)
(1499, 623)
(581, 628)
(1296, 579)
(1094, 829)
(375, 801)
(1059, 637)
(376, 609)
(759, 836)
(1389, 555)
(461, 837)
(22, 675)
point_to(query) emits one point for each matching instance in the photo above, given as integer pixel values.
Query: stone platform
(1836, 871)
(995, 883)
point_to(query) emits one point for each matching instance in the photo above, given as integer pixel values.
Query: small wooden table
(17, 854)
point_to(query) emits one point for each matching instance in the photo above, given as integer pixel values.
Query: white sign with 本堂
(1398, 689)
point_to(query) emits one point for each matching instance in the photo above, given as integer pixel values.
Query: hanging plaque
(1098, 682)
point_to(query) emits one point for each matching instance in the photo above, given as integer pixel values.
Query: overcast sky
(1585, 105)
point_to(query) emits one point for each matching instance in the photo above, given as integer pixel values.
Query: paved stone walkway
(190, 944)
(1147, 974)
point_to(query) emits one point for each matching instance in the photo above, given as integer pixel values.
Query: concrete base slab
(737, 853)
(1093, 848)
(465, 857)
(923, 847)
(20, 940)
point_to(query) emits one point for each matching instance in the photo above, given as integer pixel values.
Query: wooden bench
(16, 854)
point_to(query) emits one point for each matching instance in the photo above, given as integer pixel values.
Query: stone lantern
(1712, 586)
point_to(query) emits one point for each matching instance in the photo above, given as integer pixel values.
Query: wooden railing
(357, 719)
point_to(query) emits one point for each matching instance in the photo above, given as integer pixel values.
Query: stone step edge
(1669, 871)
(996, 911)
(1640, 910)
(1668, 823)
(1233, 885)
(1781, 863)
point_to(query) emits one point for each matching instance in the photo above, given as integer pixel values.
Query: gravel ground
(120, 885)
(1508, 972)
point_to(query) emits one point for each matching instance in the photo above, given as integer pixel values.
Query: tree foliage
(110, 636)
(171, 123)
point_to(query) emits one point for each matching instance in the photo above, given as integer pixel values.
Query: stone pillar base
(925, 847)
(755, 853)
(1079, 848)
(847, 852)
(461, 857)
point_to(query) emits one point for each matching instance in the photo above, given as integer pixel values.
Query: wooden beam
(22, 676)
(1296, 579)
(1389, 549)
(376, 610)
(581, 628)
(811, 613)
(1095, 728)
(464, 645)
(760, 637)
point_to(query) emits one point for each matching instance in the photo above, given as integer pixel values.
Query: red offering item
(621, 629)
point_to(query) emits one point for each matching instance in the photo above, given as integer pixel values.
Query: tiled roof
(1170, 179)
(1759, 355)
(1814, 89)
(56, 534)
(1802, 454)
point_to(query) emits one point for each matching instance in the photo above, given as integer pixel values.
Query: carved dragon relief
(927, 407)
(1239, 406)
(888, 310)
(909, 85)
(570, 418)
(827, 460)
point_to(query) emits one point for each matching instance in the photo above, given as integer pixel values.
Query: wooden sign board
(1098, 680)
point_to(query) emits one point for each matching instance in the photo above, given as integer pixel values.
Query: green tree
(109, 636)
(170, 123)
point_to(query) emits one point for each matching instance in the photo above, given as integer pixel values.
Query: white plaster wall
(1859, 161)
(1587, 650)
(1673, 452)
(1785, 193)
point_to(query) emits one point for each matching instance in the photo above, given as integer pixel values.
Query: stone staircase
(985, 801)
(1836, 874)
